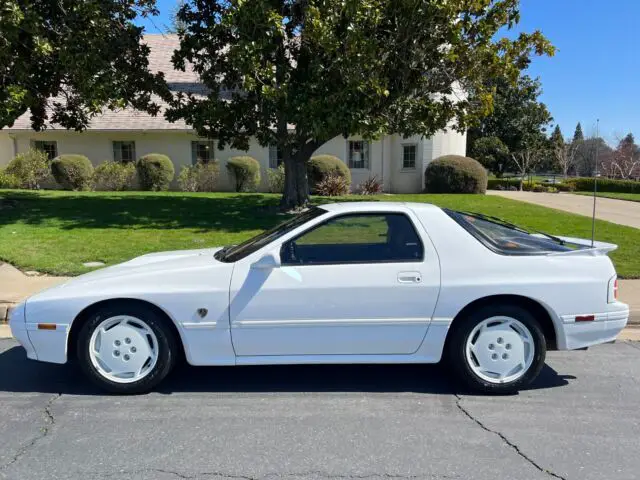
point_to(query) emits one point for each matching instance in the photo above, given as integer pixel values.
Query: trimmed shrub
(201, 177)
(245, 172)
(275, 178)
(371, 186)
(155, 172)
(72, 172)
(565, 187)
(322, 166)
(30, 168)
(583, 184)
(455, 174)
(332, 185)
(502, 183)
(112, 176)
(8, 180)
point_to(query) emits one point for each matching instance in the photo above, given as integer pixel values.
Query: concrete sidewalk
(622, 212)
(15, 286)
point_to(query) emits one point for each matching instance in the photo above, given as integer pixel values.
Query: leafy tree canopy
(557, 139)
(298, 73)
(492, 153)
(83, 54)
(518, 118)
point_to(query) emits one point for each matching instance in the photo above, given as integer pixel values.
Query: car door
(359, 283)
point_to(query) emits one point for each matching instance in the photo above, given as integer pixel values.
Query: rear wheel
(497, 349)
(126, 348)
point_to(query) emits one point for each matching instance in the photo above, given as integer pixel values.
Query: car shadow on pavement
(18, 374)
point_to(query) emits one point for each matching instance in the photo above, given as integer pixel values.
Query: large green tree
(297, 73)
(65, 60)
(518, 118)
(492, 153)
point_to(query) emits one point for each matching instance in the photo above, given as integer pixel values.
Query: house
(127, 134)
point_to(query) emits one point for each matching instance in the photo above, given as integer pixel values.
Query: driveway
(616, 211)
(580, 420)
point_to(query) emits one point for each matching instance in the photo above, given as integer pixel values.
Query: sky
(595, 73)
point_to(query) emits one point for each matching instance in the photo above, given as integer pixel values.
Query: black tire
(456, 349)
(168, 349)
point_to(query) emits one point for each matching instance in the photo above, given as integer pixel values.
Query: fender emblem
(202, 312)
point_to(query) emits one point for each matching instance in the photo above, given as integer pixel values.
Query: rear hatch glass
(505, 238)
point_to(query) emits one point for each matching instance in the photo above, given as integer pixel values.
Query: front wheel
(126, 348)
(497, 349)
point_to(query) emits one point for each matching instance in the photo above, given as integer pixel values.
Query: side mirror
(268, 262)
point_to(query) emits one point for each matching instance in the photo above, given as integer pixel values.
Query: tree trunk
(296, 185)
(521, 181)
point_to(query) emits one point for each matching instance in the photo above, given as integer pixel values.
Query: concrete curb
(5, 332)
(5, 309)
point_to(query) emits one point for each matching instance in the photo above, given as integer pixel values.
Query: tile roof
(161, 49)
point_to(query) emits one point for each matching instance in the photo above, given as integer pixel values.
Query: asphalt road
(581, 420)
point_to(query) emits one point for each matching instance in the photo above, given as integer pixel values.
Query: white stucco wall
(385, 154)
(6, 149)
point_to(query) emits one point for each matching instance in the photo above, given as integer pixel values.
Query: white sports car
(369, 282)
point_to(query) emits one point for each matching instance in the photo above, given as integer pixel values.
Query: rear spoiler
(598, 248)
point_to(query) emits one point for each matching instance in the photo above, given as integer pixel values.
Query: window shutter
(194, 152)
(365, 152)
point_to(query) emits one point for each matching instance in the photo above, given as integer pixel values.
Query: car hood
(153, 268)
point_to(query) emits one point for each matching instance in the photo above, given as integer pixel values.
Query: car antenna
(595, 185)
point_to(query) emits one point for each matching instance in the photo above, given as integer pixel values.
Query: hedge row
(582, 184)
(605, 185)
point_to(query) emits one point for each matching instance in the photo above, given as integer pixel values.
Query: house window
(409, 157)
(275, 156)
(201, 151)
(124, 151)
(358, 154)
(50, 148)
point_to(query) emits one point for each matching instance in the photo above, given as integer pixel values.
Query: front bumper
(19, 330)
(604, 328)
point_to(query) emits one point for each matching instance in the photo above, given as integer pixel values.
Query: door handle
(409, 277)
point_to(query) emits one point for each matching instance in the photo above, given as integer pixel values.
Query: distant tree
(533, 147)
(176, 25)
(556, 136)
(585, 156)
(578, 136)
(556, 143)
(564, 154)
(491, 153)
(624, 162)
(517, 114)
(64, 61)
(296, 73)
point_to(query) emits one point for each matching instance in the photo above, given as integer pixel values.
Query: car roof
(376, 206)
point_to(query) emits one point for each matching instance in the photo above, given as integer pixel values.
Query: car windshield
(507, 238)
(234, 253)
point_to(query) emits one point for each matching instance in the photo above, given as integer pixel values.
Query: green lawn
(632, 197)
(55, 232)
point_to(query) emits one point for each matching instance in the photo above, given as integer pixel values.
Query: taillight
(612, 293)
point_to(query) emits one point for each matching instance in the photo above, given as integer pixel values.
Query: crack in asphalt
(504, 439)
(312, 473)
(49, 422)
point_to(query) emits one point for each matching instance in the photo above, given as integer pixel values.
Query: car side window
(356, 238)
